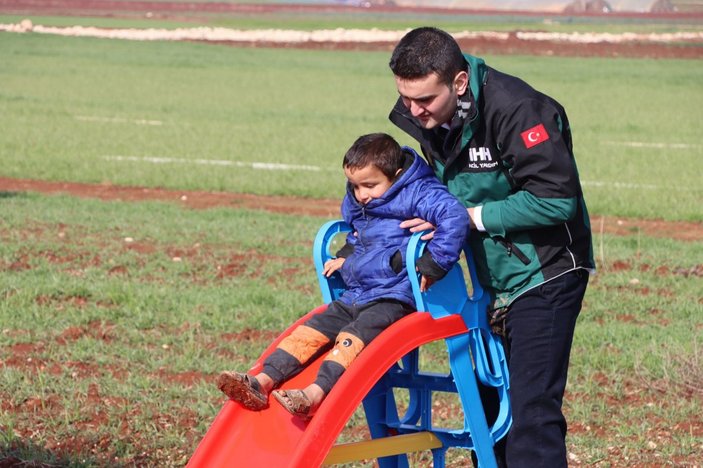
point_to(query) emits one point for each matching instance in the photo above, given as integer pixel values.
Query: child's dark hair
(378, 149)
(427, 50)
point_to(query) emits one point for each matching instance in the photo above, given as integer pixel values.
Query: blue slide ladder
(476, 356)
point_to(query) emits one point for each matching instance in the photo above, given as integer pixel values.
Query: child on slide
(386, 184)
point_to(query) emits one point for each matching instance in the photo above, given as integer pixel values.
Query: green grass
(97, 292)
(116, 316)
(168, 114)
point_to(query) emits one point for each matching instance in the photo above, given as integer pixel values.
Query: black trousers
(539, 330)
(345, 330)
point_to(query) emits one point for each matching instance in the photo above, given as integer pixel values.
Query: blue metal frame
(475, 356)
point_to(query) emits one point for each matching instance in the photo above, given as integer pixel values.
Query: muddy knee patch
(303, 343)
(346, 348)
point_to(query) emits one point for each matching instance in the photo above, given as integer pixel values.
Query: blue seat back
(476, 356)
(333, 287)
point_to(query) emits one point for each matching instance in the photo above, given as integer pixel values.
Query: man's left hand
(419, 225)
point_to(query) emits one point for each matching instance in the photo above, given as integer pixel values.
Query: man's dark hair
(427, 50)
(378, 149)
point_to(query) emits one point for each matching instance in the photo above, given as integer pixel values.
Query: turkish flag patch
(534, 136)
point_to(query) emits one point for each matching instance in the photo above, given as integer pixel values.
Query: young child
(386, 185)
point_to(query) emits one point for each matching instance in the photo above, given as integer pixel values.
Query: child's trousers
(345, 328)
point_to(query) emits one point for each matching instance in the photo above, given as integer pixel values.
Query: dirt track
(326, 208)
(515, 42)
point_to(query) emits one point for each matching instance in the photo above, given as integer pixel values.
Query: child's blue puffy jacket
(376, 235)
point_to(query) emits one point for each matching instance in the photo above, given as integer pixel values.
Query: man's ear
(461, 82)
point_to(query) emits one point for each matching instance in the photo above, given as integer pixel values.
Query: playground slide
(273, 438)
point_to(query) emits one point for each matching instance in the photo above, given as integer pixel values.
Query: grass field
(183, 115)
(117, 315)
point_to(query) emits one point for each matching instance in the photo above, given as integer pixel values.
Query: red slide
(273, 438)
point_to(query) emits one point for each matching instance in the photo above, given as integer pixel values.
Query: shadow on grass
(22, 453)
(5, 194)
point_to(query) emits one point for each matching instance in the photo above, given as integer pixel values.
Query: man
(505, 150)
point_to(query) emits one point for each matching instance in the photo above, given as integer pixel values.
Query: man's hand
(472, 223)
(332, 265)
(419, 225)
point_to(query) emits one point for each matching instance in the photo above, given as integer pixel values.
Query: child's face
(368, 182)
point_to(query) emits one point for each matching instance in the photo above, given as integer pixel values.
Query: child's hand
(332, 265)
(425, 283)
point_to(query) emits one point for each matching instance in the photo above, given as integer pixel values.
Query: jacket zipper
(512, 249)
(361, 242)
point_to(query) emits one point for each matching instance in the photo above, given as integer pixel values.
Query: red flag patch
(534, 136)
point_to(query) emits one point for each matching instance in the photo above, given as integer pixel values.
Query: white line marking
(219, 162)
(642, 144)
(94, 118)
(589, 38)
(625, 185)
(632, 186)
(295, 167)
(337, 35)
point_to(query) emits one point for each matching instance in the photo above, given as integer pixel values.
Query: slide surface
(273, 438)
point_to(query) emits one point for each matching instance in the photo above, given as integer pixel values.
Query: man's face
(430, 101)
(368, 182)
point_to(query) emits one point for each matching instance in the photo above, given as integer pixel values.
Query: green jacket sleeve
(535, 145)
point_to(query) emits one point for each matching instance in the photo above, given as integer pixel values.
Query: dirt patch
(191, 199)
(511, 46)
(323, 208)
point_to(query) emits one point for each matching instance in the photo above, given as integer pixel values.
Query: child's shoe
(242, 388)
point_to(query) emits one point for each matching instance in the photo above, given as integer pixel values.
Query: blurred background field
(183, 115)
(117, 315)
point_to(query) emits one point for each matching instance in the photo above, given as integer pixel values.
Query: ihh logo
(480, 154)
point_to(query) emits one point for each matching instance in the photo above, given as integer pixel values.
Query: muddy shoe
(295, 402)
(242, 388)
